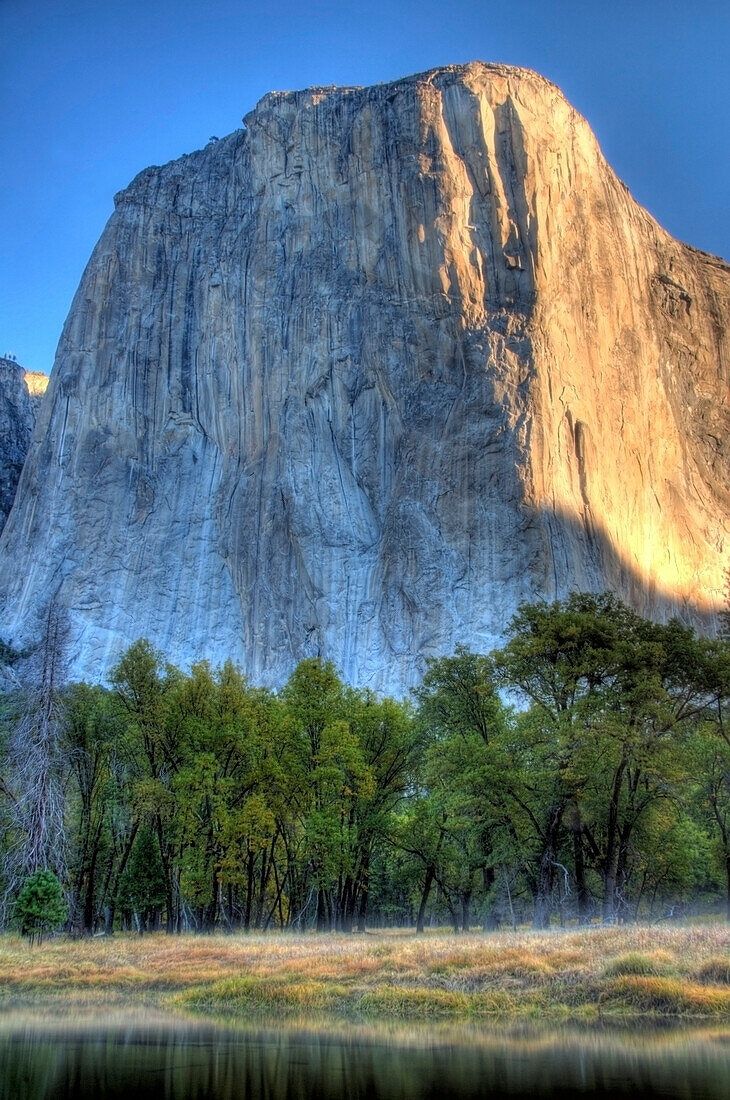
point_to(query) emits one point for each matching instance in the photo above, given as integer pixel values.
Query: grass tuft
(667, 997)
(394, 1001)
(715, 971)
(639, 964)
(244, 996)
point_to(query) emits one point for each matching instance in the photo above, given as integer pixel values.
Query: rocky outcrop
(358, 378)
(20, 394)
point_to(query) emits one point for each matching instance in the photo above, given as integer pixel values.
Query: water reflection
(166, 1058)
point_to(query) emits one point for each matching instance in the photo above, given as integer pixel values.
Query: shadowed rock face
(357, 379)
(20, 394)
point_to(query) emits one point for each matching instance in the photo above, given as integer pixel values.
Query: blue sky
(93, 91)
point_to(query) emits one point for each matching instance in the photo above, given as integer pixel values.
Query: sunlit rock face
(20, 394)
(358, 378)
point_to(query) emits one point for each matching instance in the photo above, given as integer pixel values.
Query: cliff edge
(20, 395)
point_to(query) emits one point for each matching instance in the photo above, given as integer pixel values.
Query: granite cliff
(20, 395)
(356, 379)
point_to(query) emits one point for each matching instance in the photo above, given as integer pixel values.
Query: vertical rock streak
(20, 395)
(358, 378)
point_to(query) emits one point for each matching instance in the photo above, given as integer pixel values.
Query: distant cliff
(20, 393)
(358, 378)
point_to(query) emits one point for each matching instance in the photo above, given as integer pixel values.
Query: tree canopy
(580, 772)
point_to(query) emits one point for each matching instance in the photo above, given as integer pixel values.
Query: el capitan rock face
(20, 395)
(355, 380)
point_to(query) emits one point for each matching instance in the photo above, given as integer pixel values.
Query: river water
(149, 1055)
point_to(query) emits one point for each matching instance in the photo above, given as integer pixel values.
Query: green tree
(144, 687)
(390, 743)
(331, 774)
(610, 697)
(463, 723)
(418, 834)
(92, 731)
(40, 907)
(225, 826)
(142, 892)
(597, 723)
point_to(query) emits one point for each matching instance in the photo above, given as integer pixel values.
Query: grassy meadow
(580, 975)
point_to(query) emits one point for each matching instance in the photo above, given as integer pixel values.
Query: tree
(390, 742)
(332, 774)
(196, 800)
(92, 730)
(599, 715)
(462, 723)
(417, 835)
(709, 747)
(36, 764)
(144, 685)
(40, 906)
(142, 887)
(223, 790)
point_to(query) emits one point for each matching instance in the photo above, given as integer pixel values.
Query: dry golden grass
(715, 971)
(668, 996)
(579, 974)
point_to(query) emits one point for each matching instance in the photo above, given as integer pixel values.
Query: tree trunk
(430, 873)
(75, 908)
(611, 857)
(249, 890)
(364, 889)
(211, 913)
(277, 900)
(609, 896)
(321, 910)
(543, 898)
(363, 907)
(264, 881)
(117, 879)
(489, 923)
(541, 918)
(580, 875)
(90, 880)
(347, 905)
(466, 911)
(167, 876)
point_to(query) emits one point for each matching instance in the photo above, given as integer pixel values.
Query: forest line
(580, 772)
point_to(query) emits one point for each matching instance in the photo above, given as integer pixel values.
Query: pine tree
(40, 906)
